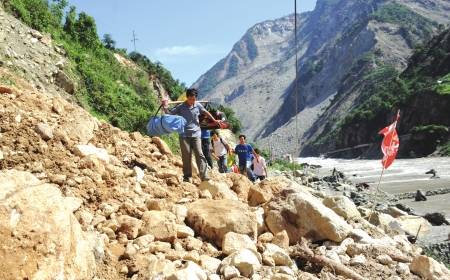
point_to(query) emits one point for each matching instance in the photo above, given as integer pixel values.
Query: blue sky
(187, 36)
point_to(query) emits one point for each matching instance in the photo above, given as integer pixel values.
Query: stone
(281, 239)
(160, 224)
(44, 130)
(402, 269)
(230, 272)
(97, 220)
(139, 173)
(72, 203)
(395, 212)
(282, 276)
(193, 244)
(258, 196)
(411, 224)
(343, 206)
(88, 150)
(234, 242)
(156, 204)
(213, 277)
(1, 155)
(184, 231)
(212, 219)
(240, 185)
(84, 217)
(246, 261)
(129, 226)
(156, 268)
(218, 190)
(358, 260)
(276, 256)
(428, 268)
(144, 241)
(303, 215)
(63, 81)
(192, 256)
(58, 179)
(190, 271)
(162, 146)
(436, 219)
(159, 246)
(385, 259)
(130, 251)
(210, 264)
(5, 90)
(420, 196)
(34, 219)
(266, 237)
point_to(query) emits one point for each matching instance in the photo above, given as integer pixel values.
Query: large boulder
(343, 206)
(190, 271)
(429, 269)
(212, 219)
(40, 238)
(303, 215)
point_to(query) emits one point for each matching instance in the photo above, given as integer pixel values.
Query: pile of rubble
(80, 199)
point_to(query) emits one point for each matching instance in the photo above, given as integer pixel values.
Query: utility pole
(134, 40)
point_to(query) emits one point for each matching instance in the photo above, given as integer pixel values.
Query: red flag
(390, 143)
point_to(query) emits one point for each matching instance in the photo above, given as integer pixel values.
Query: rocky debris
(428, 268)
(436, 219)
(303, 215)
(5, 90)
(35, 216)
(420, 196)
(213, 219)
(189, 271)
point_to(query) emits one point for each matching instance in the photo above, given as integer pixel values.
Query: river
(404, 175)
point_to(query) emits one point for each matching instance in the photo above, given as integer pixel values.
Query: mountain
(421, 92)
(339, 43)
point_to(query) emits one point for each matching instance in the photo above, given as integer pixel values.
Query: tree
(86, 30)
(109, 42)
(69, 25)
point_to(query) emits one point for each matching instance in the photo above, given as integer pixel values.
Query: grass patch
(285, 165)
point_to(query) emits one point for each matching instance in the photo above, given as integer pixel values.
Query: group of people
(206, 145)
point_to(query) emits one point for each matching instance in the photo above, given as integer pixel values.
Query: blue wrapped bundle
(165, 124)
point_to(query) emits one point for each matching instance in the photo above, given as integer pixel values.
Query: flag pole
(377, 190)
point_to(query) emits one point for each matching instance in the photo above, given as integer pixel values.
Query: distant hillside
(341, 43)
(421, 92)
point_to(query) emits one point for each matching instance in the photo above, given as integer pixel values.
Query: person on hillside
(206, 146)
(190, 141)
(245, 152)
(259, 166)
(220, 151)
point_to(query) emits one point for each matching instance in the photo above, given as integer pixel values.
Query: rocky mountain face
(340, 42)
(422, 95)
(82, 199)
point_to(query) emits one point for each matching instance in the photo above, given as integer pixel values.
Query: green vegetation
(445, 149)
(443, 86)
(235, 123)
(430, 253)
(285, 165)
(408, 20)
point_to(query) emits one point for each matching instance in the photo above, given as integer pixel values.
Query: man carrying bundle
(190, 140)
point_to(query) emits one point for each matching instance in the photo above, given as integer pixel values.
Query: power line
(296, 72)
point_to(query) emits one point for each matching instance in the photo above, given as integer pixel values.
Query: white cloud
(187, 50)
